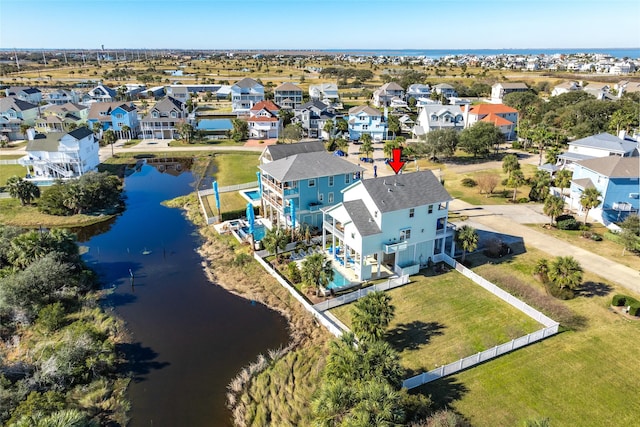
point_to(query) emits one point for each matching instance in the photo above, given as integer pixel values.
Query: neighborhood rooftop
(606, 141)
(405, 191)
(364, 223)
(614, 166)
(308, 165)
(280, 151)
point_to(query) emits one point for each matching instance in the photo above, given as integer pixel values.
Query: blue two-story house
(367, 120)
(114, 115)
(618, 180)
(306, 176)
(125, 115)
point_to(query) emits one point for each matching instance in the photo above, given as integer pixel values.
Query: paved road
(509, 220)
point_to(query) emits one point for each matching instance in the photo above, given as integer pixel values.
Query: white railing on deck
(360, 293)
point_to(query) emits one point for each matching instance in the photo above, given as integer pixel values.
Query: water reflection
(189, 337)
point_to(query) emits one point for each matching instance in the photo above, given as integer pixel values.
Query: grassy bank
(12, 213)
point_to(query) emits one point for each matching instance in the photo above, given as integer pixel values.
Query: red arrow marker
(396, 164)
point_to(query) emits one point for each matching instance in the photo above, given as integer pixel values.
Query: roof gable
(308, 165)
(613, 166)
(280, 151)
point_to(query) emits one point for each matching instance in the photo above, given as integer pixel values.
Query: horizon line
(317, 48)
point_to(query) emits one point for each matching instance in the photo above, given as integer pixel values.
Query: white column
(379, 263)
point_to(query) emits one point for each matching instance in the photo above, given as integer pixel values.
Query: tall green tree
(329, 125)
(389, 146)
(316, 272)
(553, 207)
(509, 164)
(589, 199)
(342, 125)
(540, 185)
(23, 190)
(109, 138)
(276, 240)
(563, 179)
(126, 130)
(371, 316)
(393, 125)
(442, 142)
(240, 130)
(467, 238)
(367, 146)
(186, 132)
(293, 132)
(516, 180)
(542, 136)
(565, 272)
(480, 138)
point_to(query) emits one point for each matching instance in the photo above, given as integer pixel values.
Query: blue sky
(309, 24)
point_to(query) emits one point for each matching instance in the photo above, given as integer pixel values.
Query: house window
(330, 198)
(347, 179)
(118, 116)
(442, 206)
(312, 182)
(440, 224)
(154, 114)
(174, 114)
(320, 197)
(405, 234)
(634, 195)
(430, 209)
(330, 181)
(412, 212)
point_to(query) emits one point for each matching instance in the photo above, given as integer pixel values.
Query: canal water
(189, 337)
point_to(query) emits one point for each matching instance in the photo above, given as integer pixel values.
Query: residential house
(325, 92)
(502, 116)
(263, 120)
(113, 115)
(62, 96)
(400, 221)
(288, 95)
(61, 155)
(383, 96)
(566, 87)
(179, 92)
(626, 86)
(306, 176)
(245, 94)
(163, 118)
(101, 93)
(14, 113)
(61, 118)
(313, 116)
(418, 91)
(364, 119)
(406, 123)
(438, 116)
(31, 95)
(594, 146)
(499, 90)
(625, 67)
(616, 178)
(602, 91)
(445, 90)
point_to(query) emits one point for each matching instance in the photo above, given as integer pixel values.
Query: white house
(325, 92)
(102, 93)
(31, 95)
(594, 146)
(245, 94)
(263, 120)
(383, 96)
(62, 96)
(418, 91)
(565, 87)
(398, 221)
(364, 119)
(499, 90)
(288, 95)
(61, 155)
(438, 116)
(445, 89)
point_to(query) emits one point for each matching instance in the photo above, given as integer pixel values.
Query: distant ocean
(439, 53)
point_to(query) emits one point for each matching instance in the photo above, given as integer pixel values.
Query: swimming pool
(258, 232)
(338, 281)
(253, 194)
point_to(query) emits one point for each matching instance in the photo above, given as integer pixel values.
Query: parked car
(366, 159)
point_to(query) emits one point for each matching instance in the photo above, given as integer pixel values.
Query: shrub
(294, 272)
(568, 224)
(241, 259)
(596, 237)
(504, 182)
(523, 200)
(516, 145)
(634, 309)
(584, 227)
(562, 294)
(618, 300)
(468, 182)
(563, 217)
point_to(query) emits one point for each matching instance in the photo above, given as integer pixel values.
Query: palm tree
(515, 181)
(276, 240)
(367, 146)
(510, 164)
(23, 129)
(553, 206)
(342, 125)
(328, 127)
(590, 199)
(389, 146)
(565, 272)
(371, 316)
(127, 131)
(23, 190)
(316, 272)
(109, 137)
(563, 179)
(542, 135)
(467, 238)
(342, 144)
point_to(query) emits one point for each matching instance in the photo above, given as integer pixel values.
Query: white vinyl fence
(229, 188)
(9, 162)
(360, 293)
(551, 328)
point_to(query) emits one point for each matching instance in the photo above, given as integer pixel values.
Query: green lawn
(7, 171)
(588, 377)
(440, 319)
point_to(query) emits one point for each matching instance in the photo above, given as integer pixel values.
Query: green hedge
(618, 300)
(634, 309)
(623, 300)
(568, 224)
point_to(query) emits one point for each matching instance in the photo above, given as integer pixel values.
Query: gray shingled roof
(583, 183)
(288, 87)
(614, 166)
(515, 85)
(314, 103)
(391, 86)
(405, 191)
(280, 151)
(606, 141)
(45, 142)
(247, 83)
(365, 109)
(308, 165)
(361, 218)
